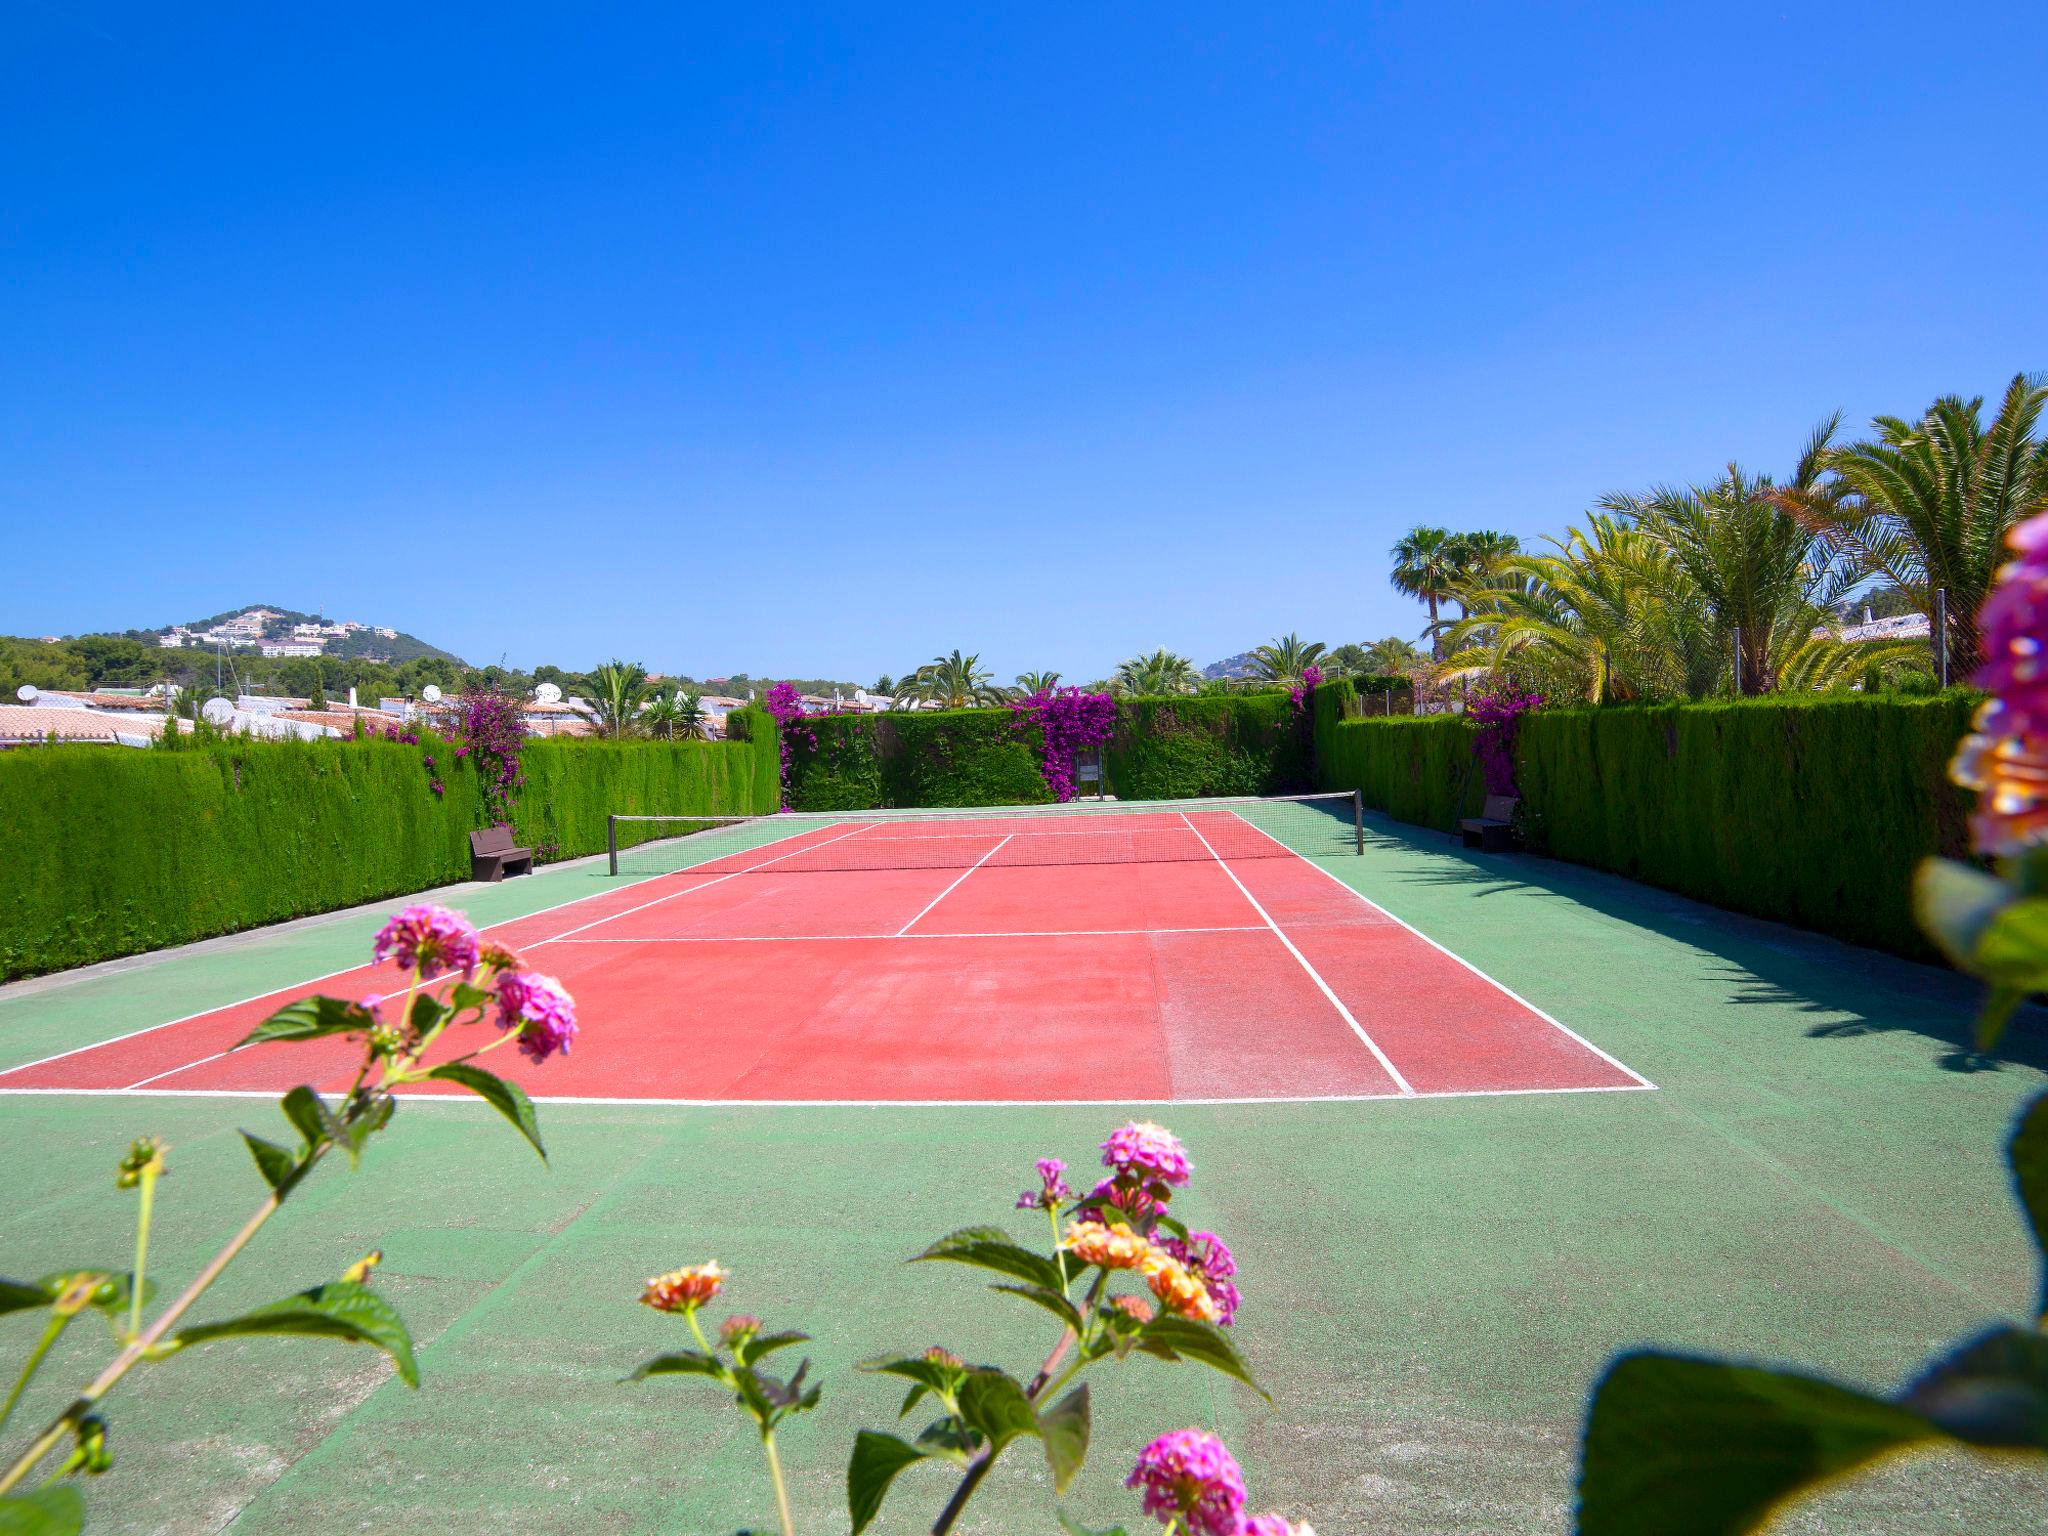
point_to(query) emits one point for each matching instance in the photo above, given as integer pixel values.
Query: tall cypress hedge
(116, 851)
(1810, 811)
(915, 758)
(1209, 744)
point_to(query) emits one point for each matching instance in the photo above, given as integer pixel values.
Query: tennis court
(1199, 953)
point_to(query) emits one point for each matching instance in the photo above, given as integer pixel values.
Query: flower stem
(57, 1325)
(149, 1177)
(775, 1475)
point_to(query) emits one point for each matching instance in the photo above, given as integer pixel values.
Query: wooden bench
(1489, 830)
(492, 855)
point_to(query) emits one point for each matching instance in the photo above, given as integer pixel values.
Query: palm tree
(1927, 504)
(1428, 564)
(1769, 579)
(1032, 683)
(1282, 660)
(692, 723)
(1162, 672)
(952, 682)
(617, 689)
(1391, 655)
(674, 716)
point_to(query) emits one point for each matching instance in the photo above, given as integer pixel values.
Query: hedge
(915, 758)
(1809, 811)
(1209, 744)
(119, 851)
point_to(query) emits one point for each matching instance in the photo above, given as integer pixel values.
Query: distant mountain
(259, 624)
(1240, 665)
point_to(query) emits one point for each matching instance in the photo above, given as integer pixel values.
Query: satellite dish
(431, 694)
(27, 693)
(548, 693)
(217, 712)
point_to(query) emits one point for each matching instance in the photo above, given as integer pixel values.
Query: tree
(1282, 660)
(1927, 504)
(617, 688)
(885, 686)
(1161, 672)
(661, 716)
(1770, 579)
(1428, 564)
(952, 682)
(1030, 683)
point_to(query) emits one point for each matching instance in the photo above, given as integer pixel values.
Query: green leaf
(308, 1019)
(280, 1168)
(1088, 1530)
(1182, 1338)
(2012, 950)
(994, 1405)
(309, 1113)
(1956, 903)
(464, 996)
(1052, 1301)
(340, 1309)
(877, 1458)
(1064, 1430)
(766, 1344)
(17, 1297)
(427, 1011)
(1677, 1445)
(688, 1362)
(1990, 1392)
(2028, 1154)
(993, 1248)
(362, 1120)
(58, 1511)
(508, 1099)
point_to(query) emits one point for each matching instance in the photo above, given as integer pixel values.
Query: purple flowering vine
(1302, 687)
(787, 706)
(1498, 715)
(1071, 722)
(490, 733)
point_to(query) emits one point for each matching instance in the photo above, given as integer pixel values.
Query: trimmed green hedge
(119, 851)
(1209, 744)
(914, 758)
(1808, 811)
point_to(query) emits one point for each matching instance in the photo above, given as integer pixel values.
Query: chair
(1489, 831)
(492, 855)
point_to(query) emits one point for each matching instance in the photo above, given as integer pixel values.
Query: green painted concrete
(1430, 1286)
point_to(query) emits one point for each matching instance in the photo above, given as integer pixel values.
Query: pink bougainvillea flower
(430, 937)
(538, 1008)
(1144, 1150)
(684, 1290)
(1189, 1473)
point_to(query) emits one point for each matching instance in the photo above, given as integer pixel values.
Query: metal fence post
(611, 840)
(1358, 818)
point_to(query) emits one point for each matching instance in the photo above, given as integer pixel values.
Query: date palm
(1161, 672)
(952, 682)
(1428, 565)
(1927, 504)
(1282, 660)
(1031, 683)
(617, 689)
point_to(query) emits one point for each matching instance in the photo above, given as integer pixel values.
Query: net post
(1358, 819)
(611, 841)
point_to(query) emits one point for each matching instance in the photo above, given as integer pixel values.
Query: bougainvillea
(1498, 714)
(491, 733)
(1299, 690)
(1071, 722)
(787, 706)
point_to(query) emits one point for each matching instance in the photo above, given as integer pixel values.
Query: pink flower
(1208, 1258)
(1132, 1201)
(1274, 1525)
(1189, 1473)
(1144, 1150)
(1053, 1189)
(429, 937)
(539, 1009)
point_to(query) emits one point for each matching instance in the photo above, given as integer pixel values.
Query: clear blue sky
(819, 341)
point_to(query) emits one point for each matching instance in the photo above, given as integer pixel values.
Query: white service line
(1407, 1088)
(612, 917)
(949, 890)
(1498, 986)
(884, 938)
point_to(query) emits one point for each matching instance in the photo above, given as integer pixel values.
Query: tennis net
(1079, 833)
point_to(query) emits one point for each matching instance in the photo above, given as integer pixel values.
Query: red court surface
(1180, 957)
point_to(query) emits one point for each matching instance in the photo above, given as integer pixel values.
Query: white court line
(1314, 975)
(627, 1103)
(949, 890)
(295, 987)
(1501, 987)
(890, 938)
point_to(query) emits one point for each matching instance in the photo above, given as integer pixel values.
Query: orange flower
(1135, 1307)
(1180, 1292)
(1094, 1242)
(684, 1290)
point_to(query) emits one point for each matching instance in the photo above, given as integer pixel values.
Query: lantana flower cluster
(1070, 721)
(1498, 714)
(2005, 756)
(433, 941)
(1189, 1475)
